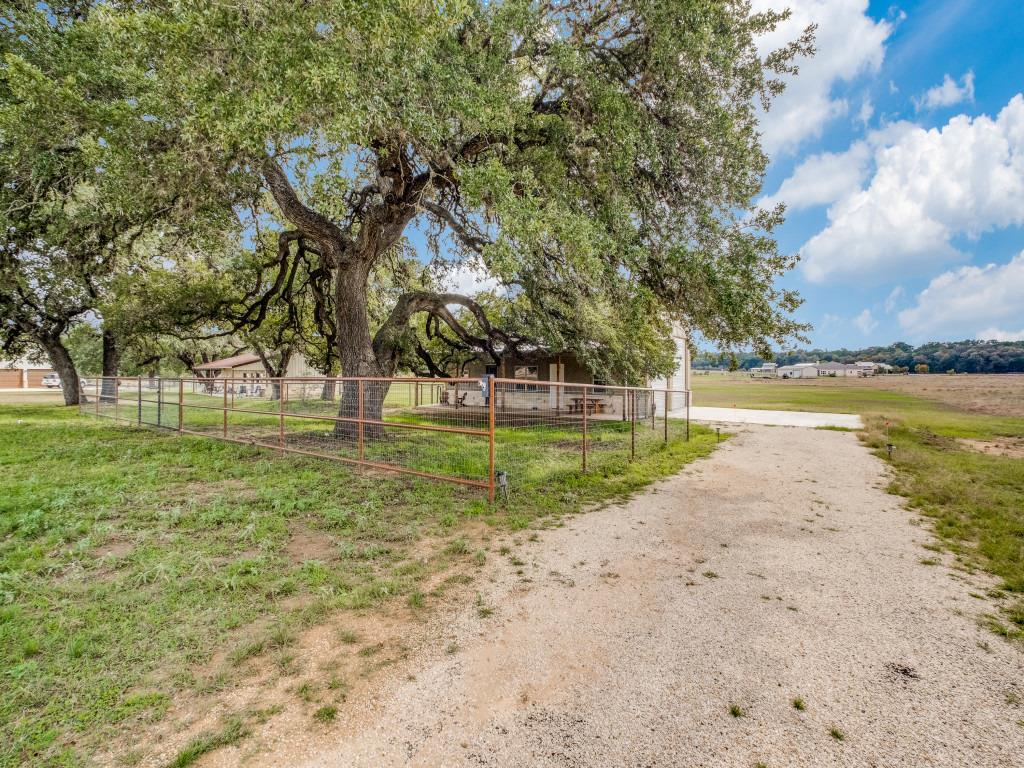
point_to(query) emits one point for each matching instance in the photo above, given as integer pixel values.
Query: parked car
(52, 381)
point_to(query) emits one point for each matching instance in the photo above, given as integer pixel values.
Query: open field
(994, 395)
(144, 577)
(957, 448)
(31, 396)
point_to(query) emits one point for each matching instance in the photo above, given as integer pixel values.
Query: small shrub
(457, 547)
(326, 713)
(348, 637)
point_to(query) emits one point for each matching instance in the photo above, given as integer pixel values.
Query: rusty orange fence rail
(491, 434)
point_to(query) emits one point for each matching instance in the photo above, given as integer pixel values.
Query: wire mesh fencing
(492, 434)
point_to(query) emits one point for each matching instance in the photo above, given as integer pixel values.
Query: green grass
(326, 713)
(976, 500)
(136, 564)
(234, 730)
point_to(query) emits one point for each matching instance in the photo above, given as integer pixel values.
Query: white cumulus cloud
(997, 334)
(849, 43)
(867, 110)
(822, 179)
(948, 93)
(865, 322)
(891, 300)
(925, 188)
(986, 298)
(467, 279)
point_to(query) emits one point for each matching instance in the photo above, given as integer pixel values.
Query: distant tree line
(970, 356)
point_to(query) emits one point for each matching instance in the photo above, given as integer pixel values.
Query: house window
(526, 372)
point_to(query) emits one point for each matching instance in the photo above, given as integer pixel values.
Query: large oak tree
(599, 158)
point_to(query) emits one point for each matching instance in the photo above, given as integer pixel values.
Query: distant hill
(970, 356)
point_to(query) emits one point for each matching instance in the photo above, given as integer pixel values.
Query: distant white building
(798, 371)
(843, 369)
(871, 367)
(766, 371)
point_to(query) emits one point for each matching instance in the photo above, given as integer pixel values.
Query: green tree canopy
(599, 158)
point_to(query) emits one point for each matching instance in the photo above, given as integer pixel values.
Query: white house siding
(679, 381)
(798, 372)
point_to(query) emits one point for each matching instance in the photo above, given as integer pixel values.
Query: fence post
(224, 429)
(159, 402)
(99, 388)
(653, 408)
(490, 447)
(140, 401)
(181, 406)
(632, 431)
(687, 415)
(282, 393)
(584, 427)
(664, 414)
(360, 415)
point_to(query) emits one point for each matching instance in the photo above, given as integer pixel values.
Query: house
(246, 371)
(841, 369)
(564, 367)
(870, 367)
(798, 371)
(22, 374)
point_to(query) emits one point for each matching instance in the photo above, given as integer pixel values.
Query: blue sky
(899, 151)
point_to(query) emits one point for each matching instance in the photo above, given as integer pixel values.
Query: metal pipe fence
(491, 434)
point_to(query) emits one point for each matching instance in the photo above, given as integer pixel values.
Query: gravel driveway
(777, 570)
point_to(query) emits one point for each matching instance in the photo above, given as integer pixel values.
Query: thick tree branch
(312, 223)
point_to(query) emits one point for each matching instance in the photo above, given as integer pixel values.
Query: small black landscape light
(889, 447)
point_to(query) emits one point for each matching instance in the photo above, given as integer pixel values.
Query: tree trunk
(275, 374)
(355, 350)
(111, 364)
(65, 368)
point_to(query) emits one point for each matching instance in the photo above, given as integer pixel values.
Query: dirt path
(776, 569)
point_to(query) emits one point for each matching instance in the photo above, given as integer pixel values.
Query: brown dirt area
(1011, 447)
(993, 394)
(341, 658)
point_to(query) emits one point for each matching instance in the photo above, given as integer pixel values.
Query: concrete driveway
(771, 418)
